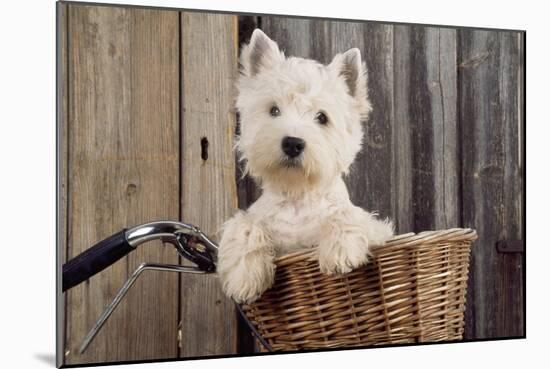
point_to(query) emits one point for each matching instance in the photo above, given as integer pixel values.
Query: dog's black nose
(293, 146)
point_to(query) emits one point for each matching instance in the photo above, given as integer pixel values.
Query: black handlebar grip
(95, 259)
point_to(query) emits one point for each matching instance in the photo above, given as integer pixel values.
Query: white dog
(300, 131)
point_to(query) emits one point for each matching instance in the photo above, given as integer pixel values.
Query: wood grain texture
(490, 70)
(140, 89)
(62, 173)
(123, 170)
(209, 194)
(423, 146)
(371, 175)
(403, 215)
(247, 190)
(425, 137)
(421, 131)
(294, 36)
(440, 44)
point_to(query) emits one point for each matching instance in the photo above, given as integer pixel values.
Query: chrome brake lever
(169, 231)
(193, 250)
(190, 242)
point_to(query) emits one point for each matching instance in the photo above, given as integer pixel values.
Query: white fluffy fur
(305, 205)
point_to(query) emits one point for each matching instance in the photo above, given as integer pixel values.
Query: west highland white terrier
(301, 128)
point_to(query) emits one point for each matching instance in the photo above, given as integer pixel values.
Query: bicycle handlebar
(95, 259)
(185, 237)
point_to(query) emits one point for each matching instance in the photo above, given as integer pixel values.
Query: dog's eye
(275, 111)
(321, 118)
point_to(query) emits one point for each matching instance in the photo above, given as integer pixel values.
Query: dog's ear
(261, 52)
(353, 70)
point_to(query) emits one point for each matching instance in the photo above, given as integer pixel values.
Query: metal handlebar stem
(124, 289)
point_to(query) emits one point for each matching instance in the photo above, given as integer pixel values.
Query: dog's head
(300, 120)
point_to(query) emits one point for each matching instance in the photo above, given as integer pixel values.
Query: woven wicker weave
(412, 291)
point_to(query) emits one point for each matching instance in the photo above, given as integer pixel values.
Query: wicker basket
(413, 291)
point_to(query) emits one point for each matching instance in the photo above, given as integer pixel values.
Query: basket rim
(401, 240)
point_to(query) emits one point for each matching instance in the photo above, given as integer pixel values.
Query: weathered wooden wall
(141, 88)
(209, 194)
(137, 100)
(442, 147)
(490, 105)
(123, 169)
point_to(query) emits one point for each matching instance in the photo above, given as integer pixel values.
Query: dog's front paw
(250, 277)
(342, 252)
(245, 259)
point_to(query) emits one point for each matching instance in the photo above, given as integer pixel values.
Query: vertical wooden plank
(425, 136)
(371, 178)
(123, 170)
(371, 175)
(490, 65)
(209, 194)
(402, 170)
(510, 283)
(293, 35)
(420, 116)
(247, 190)
(442, 83)
(305, 38)
(62, 173)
